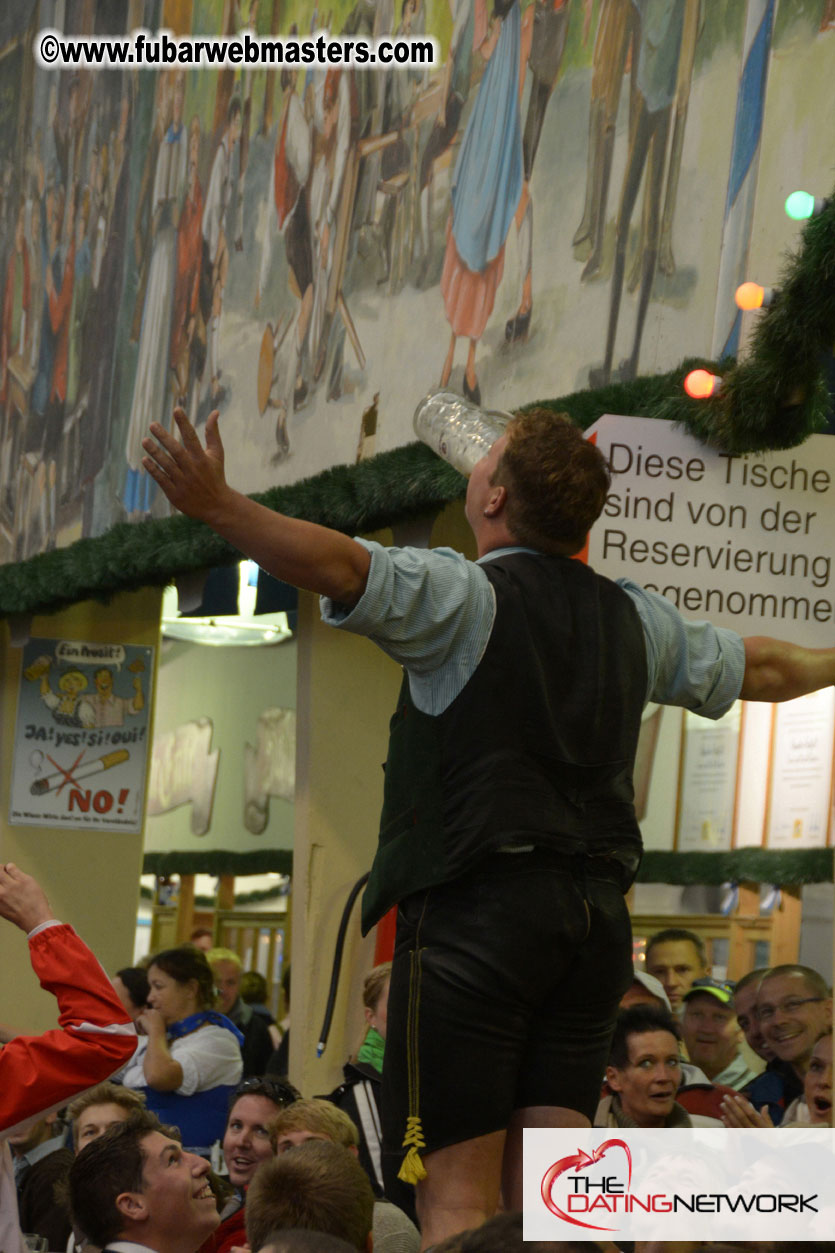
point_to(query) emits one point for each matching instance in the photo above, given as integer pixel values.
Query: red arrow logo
(581, 1160)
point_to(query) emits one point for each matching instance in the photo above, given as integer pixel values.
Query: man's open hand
(22, 899)
(191, 476)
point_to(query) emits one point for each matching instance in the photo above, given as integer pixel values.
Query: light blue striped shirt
(432, 611)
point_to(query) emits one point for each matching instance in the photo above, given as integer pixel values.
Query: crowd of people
(188, 1149)
(508, 844)
(188, 1095)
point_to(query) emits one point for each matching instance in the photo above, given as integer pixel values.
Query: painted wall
(183, 268)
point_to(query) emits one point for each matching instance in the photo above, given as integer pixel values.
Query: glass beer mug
(458, 430)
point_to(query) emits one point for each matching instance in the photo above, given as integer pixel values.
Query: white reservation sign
(745, 541)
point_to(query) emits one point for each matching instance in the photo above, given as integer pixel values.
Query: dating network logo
(589, 1187)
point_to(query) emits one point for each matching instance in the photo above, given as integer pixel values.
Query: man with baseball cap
(645, 989)
(713, 1035)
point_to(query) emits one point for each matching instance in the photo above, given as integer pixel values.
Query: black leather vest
(538, 747)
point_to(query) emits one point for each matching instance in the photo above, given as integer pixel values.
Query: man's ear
(132, 1205)
(369, 1244)
(352, 1148)
(496, 501)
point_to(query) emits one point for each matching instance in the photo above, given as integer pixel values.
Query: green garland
(774, 399)
(220, 862)
(750, 865)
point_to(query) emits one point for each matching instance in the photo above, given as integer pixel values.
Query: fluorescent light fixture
(239, 630)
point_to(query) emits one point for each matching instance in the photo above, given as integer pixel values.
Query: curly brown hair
(556, 481)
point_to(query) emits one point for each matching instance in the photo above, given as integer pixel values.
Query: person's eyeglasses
(277, 1090)
(766, 1012)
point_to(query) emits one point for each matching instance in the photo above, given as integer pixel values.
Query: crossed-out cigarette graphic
(52, 781)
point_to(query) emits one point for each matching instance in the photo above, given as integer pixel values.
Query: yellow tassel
(413, 1170)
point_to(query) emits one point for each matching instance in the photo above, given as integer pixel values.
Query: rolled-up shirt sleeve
(431, 610)
(693, 664)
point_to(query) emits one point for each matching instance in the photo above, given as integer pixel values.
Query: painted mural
(557, 204)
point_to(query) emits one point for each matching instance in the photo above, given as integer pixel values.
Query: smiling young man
(525, 677)
(246, 1144)
(135, 1188)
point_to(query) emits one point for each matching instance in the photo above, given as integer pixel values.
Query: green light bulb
(800, 205)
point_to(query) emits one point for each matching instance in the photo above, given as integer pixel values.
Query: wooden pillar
(226, 892)
(785, 933)
(288, 927)
(185, 908)
(740, 958)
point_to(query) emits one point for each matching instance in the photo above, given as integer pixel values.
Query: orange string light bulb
(700, 384)
(749, 296)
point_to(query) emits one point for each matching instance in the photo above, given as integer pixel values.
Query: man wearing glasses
(794, 1005)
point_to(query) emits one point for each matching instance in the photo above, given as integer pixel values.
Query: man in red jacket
(95, 1037)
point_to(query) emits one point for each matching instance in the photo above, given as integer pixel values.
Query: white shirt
(209, 1057)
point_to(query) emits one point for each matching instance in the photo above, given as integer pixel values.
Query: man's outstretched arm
(302, 553)
(776, 670)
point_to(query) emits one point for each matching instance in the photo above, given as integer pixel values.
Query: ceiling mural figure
(286, 244)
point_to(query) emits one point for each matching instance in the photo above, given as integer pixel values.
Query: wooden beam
(185, 908)
(740, 940)
(226, 892)
(785, 931)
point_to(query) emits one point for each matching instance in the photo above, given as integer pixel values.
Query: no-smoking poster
(81, 738)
